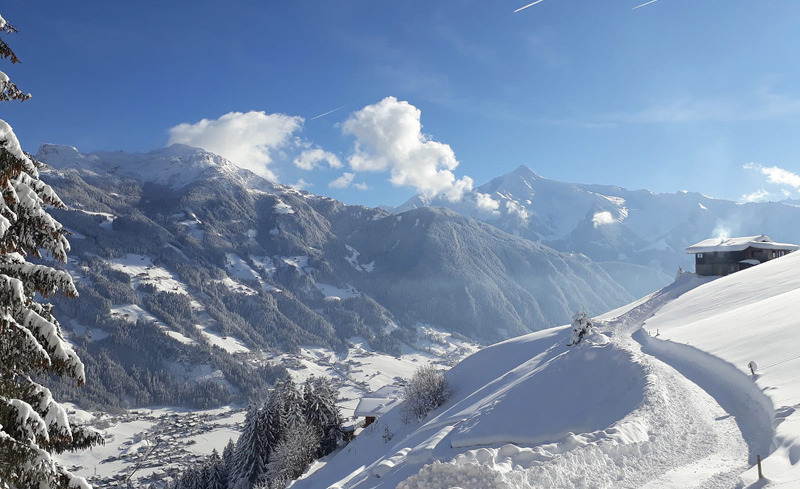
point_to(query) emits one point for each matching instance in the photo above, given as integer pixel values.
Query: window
(699, 255)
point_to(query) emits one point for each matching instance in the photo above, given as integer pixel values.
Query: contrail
(646, 3)
(531, 5)
(337, 108)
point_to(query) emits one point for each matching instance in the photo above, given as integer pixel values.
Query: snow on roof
(374, 406)
(738, 244)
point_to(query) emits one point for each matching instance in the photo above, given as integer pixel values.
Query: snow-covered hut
(371, 408)
(721, 256)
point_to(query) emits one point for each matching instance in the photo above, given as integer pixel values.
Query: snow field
(141, 270)
(300, 263)
(332, 292)
(352, 259)
(239, 269)
(133, 313)
(227, 343)
(283, 208)
(108, 219)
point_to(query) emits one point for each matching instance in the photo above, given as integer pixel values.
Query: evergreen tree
(322, 414)
(227, 456)
(291, 403)
(32, 425)
(272, 418)
(217, 474)
(251, 450)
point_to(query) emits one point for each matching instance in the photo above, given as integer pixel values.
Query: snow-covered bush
(426, 391)
(581, 324)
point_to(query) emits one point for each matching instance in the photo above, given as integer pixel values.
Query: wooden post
(760, 475)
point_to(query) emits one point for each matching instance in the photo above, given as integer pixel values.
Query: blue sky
(679, 94)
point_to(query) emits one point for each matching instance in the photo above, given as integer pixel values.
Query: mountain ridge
(611, 224)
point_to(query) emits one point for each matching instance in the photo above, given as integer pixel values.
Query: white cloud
(248, 139)
(602, 218)
(389, 138)
(361, 186)
(776, 175)
(758, 196)
(514, 207)
(486, 203)
(343, 181)
(301, 184)
(312, 158)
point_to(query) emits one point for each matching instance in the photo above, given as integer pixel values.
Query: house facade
(722, 256)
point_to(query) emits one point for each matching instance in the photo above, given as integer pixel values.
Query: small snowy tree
(32, 424)
(293, 455)
(426, 391)
(581, 324)
(217, 473)
(228, 456)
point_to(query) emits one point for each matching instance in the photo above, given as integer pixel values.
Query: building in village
(722, 256)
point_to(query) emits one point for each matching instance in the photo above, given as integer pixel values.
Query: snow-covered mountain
(616, 226)
(182, 252)
(659, 394)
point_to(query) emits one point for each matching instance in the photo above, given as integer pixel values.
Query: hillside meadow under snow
(659, 395)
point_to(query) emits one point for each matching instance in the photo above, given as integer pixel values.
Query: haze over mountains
(617, 227)
(188, 244)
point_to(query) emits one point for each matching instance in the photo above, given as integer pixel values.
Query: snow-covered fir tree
(227, 456)
(322, 414)
(272, 420)
(291, 402)
(217, 472)
(581, 324)
(250, 457)
(33, 425)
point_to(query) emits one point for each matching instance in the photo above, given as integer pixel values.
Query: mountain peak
(525, 172)
(61, 156)
(178, 150)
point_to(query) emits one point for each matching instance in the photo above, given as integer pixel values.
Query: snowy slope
(631, 406)
(751, 316)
